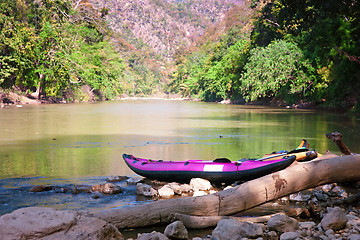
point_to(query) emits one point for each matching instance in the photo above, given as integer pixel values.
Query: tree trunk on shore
(245, 196)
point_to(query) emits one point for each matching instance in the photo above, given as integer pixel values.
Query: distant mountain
(162, 27)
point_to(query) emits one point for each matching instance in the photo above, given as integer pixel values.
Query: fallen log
(295, 178)
(197, 222)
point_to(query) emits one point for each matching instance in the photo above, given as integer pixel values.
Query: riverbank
(18, 98)
(330, 211)
(10, 98)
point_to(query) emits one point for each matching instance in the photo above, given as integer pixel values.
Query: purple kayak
(219, 170)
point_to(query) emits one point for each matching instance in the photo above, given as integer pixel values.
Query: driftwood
(245, 196)
(336, 137)
(197, 222)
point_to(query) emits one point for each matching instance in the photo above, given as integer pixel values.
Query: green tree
(222, 78)
(277, 70)
(49, 48)
(328, 33)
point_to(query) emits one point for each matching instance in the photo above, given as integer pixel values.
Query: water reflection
(86, 141)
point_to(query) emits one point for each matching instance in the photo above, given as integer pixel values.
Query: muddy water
(71, 144)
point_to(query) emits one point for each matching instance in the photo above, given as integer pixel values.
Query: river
(66, 144)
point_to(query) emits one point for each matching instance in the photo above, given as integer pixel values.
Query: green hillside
(290, 53)
(220, 50)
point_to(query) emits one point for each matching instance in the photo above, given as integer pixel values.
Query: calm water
(82, 143)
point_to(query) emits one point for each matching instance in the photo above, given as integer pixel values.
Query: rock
(134, 180)
(315, 209)
(307, 225)
(320, 195)
(58, 189)
(339, 191)
(175, 187)
(7, 101)
(299, 197)
(282, 223)
(176, 230)
(110, 188)
(354, 237)
(166, 191)
(327, 187)
(298, 212)
(76, 189)
(88, 228)
(306, 228)
(330, 233)
(228, 187)
(40, 222)
(96, 196)
(107, 188)
(335, 219)
(290, 236)
(152, 236)
(343, 194)
(198, 184)
(39, 188)
(116, 179)
(146, 190)
(185, 189)
(199, 193)
(234, 230)
(272, 235)
(212, 191)
(353, 221)
(178, 189)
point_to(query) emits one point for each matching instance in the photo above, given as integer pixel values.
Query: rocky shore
(326, 212)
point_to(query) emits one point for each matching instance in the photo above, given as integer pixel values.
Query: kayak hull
(215, 171)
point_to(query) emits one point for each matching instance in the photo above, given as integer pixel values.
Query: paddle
(303, 146)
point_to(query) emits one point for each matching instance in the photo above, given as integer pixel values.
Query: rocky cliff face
(163, 27)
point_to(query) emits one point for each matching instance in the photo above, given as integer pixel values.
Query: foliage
(291, 50)
(277, 70)
(328, 33)
(299, 51)
(213, 77)
(46, 46)
(222, 78)
(212, 72)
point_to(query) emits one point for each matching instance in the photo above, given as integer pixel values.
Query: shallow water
(71, 144)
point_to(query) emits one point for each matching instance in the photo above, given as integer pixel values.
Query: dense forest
(293, 51)
(285, 51)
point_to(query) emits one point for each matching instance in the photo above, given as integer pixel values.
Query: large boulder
(231, 229)
(335, 219)
(48, 223)
(176, 230)
(282, 223)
